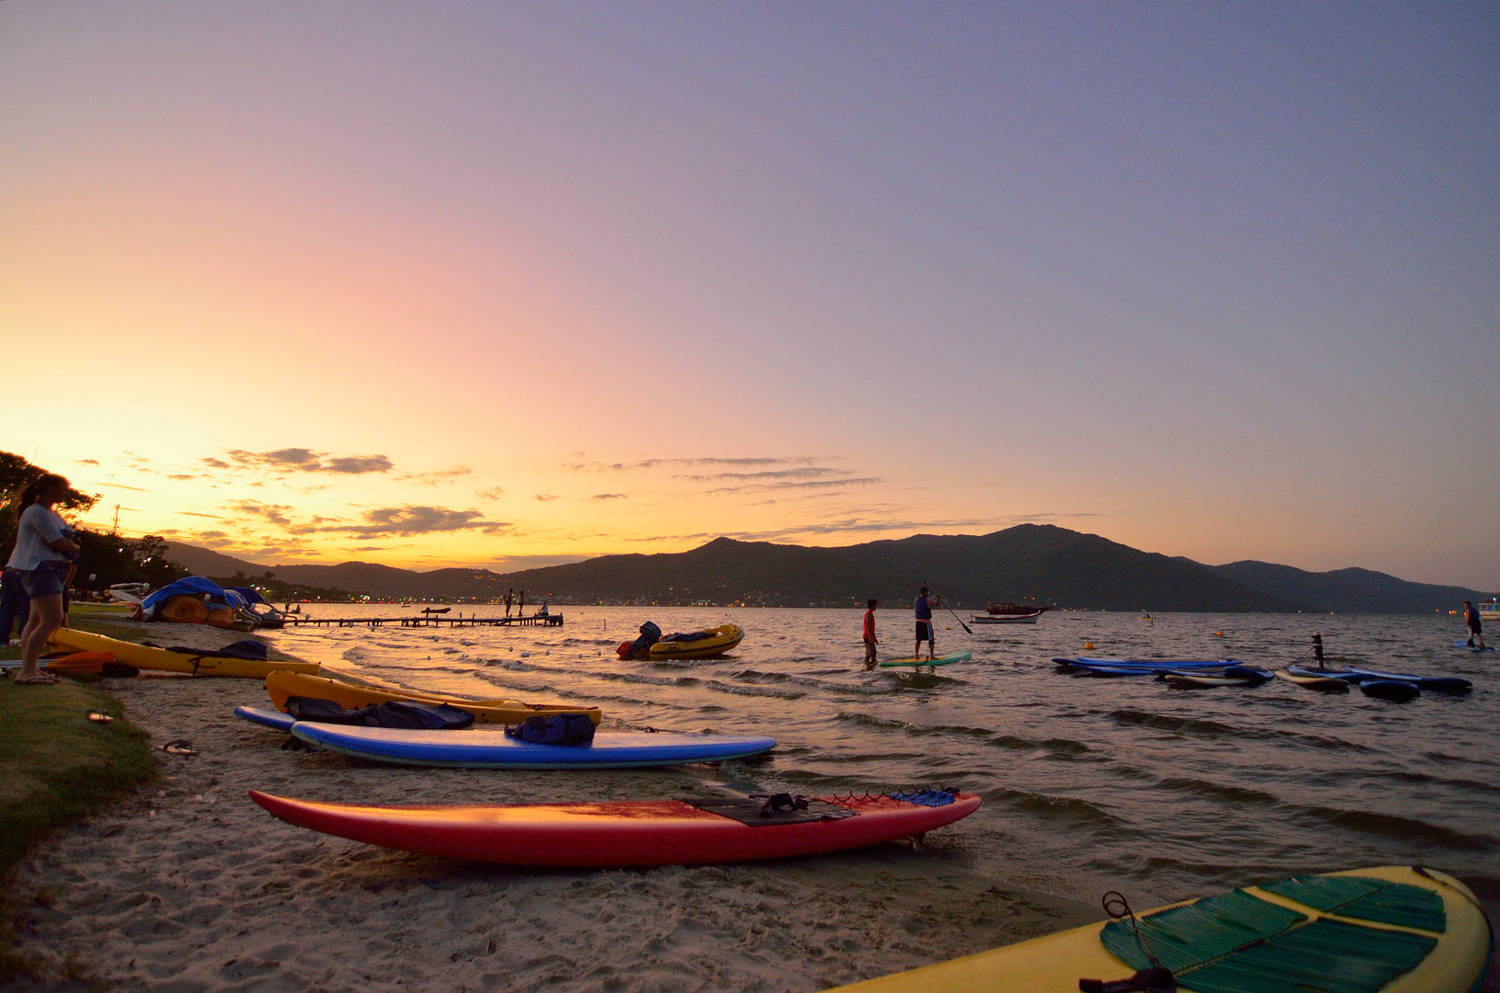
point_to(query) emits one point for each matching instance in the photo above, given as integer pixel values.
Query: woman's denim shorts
(47, 579)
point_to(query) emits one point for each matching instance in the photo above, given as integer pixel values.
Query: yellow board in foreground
(351, 696)
(1449, 955)
(165, 660)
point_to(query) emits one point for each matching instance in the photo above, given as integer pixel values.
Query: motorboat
(1005, 612)
(1028, 618)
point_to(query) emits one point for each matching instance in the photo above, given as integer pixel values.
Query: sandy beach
(192, 887)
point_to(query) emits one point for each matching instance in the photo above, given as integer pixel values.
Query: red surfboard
(629, 833)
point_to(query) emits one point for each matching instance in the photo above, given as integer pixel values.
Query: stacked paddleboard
(492, 748)
(1392, 929)
(1188, 673)
(1180, 673)
(635, 833)
(1395, 686)
(186, 661)
(282, 686)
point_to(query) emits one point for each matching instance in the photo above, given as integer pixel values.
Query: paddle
(951, 611)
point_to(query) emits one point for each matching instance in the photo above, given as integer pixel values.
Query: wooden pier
(429, 620)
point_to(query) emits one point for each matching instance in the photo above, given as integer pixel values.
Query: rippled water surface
(1088, 783)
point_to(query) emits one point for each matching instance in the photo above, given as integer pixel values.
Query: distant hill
(1041, 564)
(1346, 590)
(356, 577)
(214, 565)
(1037, 563)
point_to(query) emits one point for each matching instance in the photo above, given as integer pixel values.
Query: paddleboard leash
(1157, 979)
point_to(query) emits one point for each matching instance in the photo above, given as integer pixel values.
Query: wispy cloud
(413, 520)
(819, 485)
(800, 472)
(355, 465)
(277, 514)
(748, 474)
(436, 477)
(607, 496)
(599, 466)
(849, 525)
(289, 460)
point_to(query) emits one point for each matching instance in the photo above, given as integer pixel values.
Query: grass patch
(57, 766)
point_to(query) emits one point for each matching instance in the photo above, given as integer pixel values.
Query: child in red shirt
(870, 640)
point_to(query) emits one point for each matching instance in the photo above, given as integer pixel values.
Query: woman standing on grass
(44, 550)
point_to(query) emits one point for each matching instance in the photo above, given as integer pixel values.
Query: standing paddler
(922, 607)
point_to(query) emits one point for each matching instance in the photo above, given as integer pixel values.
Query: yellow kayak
(1391, 929)
(699, 644)
(351, 696)
(192, 662)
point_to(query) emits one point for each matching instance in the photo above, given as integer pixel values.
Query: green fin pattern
(1367, 899)
(1238, 943)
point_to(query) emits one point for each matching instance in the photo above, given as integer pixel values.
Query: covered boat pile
(196, 600)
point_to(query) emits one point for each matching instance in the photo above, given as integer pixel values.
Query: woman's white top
(39, 527)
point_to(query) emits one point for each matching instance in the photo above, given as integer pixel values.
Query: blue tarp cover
(194, 586)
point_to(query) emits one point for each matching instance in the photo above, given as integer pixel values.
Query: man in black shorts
(925, 632)
(1476, 629)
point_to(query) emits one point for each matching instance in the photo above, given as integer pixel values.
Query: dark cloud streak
(287, 460)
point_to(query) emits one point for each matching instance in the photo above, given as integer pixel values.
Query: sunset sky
(507, 284)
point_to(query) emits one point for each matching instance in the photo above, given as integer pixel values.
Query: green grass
(56, 767)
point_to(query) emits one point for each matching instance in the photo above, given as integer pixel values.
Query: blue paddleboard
(1399, 690)
(1084, 660)
(266, 717)
(1099, 669)
(1473, 648)
(1232, 675)
(1436, 684)
(1140, 667)
(491, 748)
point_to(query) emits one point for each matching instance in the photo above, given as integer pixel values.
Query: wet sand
(192, 887)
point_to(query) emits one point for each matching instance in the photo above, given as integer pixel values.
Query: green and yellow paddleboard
(1391, 929)
(915, 662)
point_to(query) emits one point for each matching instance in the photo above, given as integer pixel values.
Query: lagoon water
(1089, 784)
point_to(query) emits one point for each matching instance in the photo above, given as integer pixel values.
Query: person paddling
(922, 606)
(1317, 641)
(1476, 629)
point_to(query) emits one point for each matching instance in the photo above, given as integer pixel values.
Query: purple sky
(1216, 280)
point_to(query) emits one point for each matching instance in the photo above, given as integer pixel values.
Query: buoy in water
(1218, 634)
(1088, 644)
